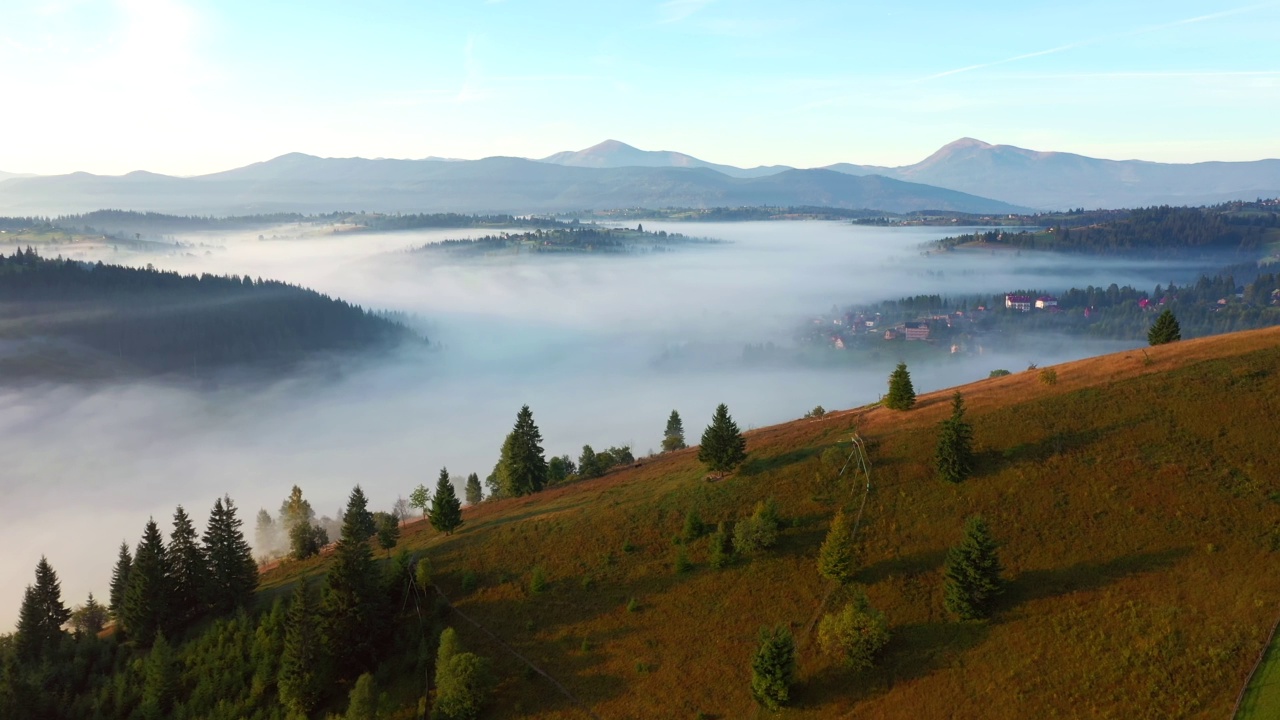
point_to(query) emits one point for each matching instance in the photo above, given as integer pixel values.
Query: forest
(566, 238)
(142, 320)
(1237, 230)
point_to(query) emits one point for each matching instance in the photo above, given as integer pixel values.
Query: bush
(758, 532)
(469, 581)
(693, 526)
(721, 547)
(1049, 376)
(999, 373)
(537, 580)
(817, 412)
(857, 634)
(683, 564)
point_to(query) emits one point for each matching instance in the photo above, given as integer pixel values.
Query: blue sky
(193, 86)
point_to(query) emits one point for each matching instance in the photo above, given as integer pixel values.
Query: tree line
(164, 322)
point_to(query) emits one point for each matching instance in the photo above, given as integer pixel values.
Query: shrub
(773, 668)
(721, 547)
(857, 633)
(469, 581)
(817, 412)
(1049, 376)
(537, 580)
(693, 526)
(999, 373)
(683, 564)
(758, 532)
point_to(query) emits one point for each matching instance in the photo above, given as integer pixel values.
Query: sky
(187, 87)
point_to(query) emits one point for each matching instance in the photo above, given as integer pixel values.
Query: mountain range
(967, 175)
(304, 183)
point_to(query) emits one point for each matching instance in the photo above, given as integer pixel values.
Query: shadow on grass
(905, 565)
(914, 651)
(1037, 584)
(758, 465)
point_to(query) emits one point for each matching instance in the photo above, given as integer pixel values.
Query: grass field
(1137, 501)
(1261, 699)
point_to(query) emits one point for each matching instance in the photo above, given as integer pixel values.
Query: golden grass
(1136, 500)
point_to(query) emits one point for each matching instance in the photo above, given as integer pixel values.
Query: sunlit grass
(1136, 501)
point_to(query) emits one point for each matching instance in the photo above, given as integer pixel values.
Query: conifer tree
(673, 436)
(350, 608)
(233, 575)
(89, 619)
(160, 681)
(1165, 329)
(857, 633)
(42, 614)
(266, 535)
(522, 467)
(954, 456)
(362, 701)
(446, 509)
(301, 679)
(358, 516)
(973, 570)
(188, 570)
(723, 447)
(298, 520)
(474, 493)
(902, 395)
(146, 600)
(119, 583)
(388, 530)
(835, 558)
(773, 668)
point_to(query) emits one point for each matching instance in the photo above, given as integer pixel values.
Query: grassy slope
(1134, 499)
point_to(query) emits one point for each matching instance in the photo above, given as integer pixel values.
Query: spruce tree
(388, 530)
(973, 570)
(446, 509)
(233, 575)
(160, 681)
(474, 493)
(188, 570)
(42, 614)
(358, 516)
(1165, 329)
(954, 456)
(89, 619)
(836, 559)
(522, 467)
(723, 447)
(902, 395)
(119, 583)
(350, 609)
(301, 679)
(673, 436)
(773, 668)
(146, 599)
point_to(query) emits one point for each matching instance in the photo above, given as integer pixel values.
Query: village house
(1017, 302)
(1044, 302)
(916, 331)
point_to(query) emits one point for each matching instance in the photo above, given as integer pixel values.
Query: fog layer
(576, 337)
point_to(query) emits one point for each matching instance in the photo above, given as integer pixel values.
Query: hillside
(66, 320)
(613, 154)
(307, 184)
(1135, 501)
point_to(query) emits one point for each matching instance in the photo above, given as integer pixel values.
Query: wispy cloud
(1097, 40)
(674, 11)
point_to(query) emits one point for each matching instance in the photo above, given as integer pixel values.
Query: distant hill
(65, 320)
(1058, 181)
(615, 154)
(304, 183)
(6, 175)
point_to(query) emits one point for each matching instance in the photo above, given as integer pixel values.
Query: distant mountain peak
(965, 143)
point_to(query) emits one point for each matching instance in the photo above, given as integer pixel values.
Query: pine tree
(902, 395)
(446, 509)
(351, 611)
(119, 583)
(301, 679)
(160, 681)
(146, 600)
(362, 701)
(358, 516)
(522, 467)
(673, 436)
(973, 570)
(388, 530)
(954, 456)
(835, 558)
(188, 570)
(773, 668)
(89, 619)
(723, 447)
(42, 615)
(233, 575)
(1165, 330)
(474, 493)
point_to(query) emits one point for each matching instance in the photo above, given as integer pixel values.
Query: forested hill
(1178, 231)
(95, 319)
